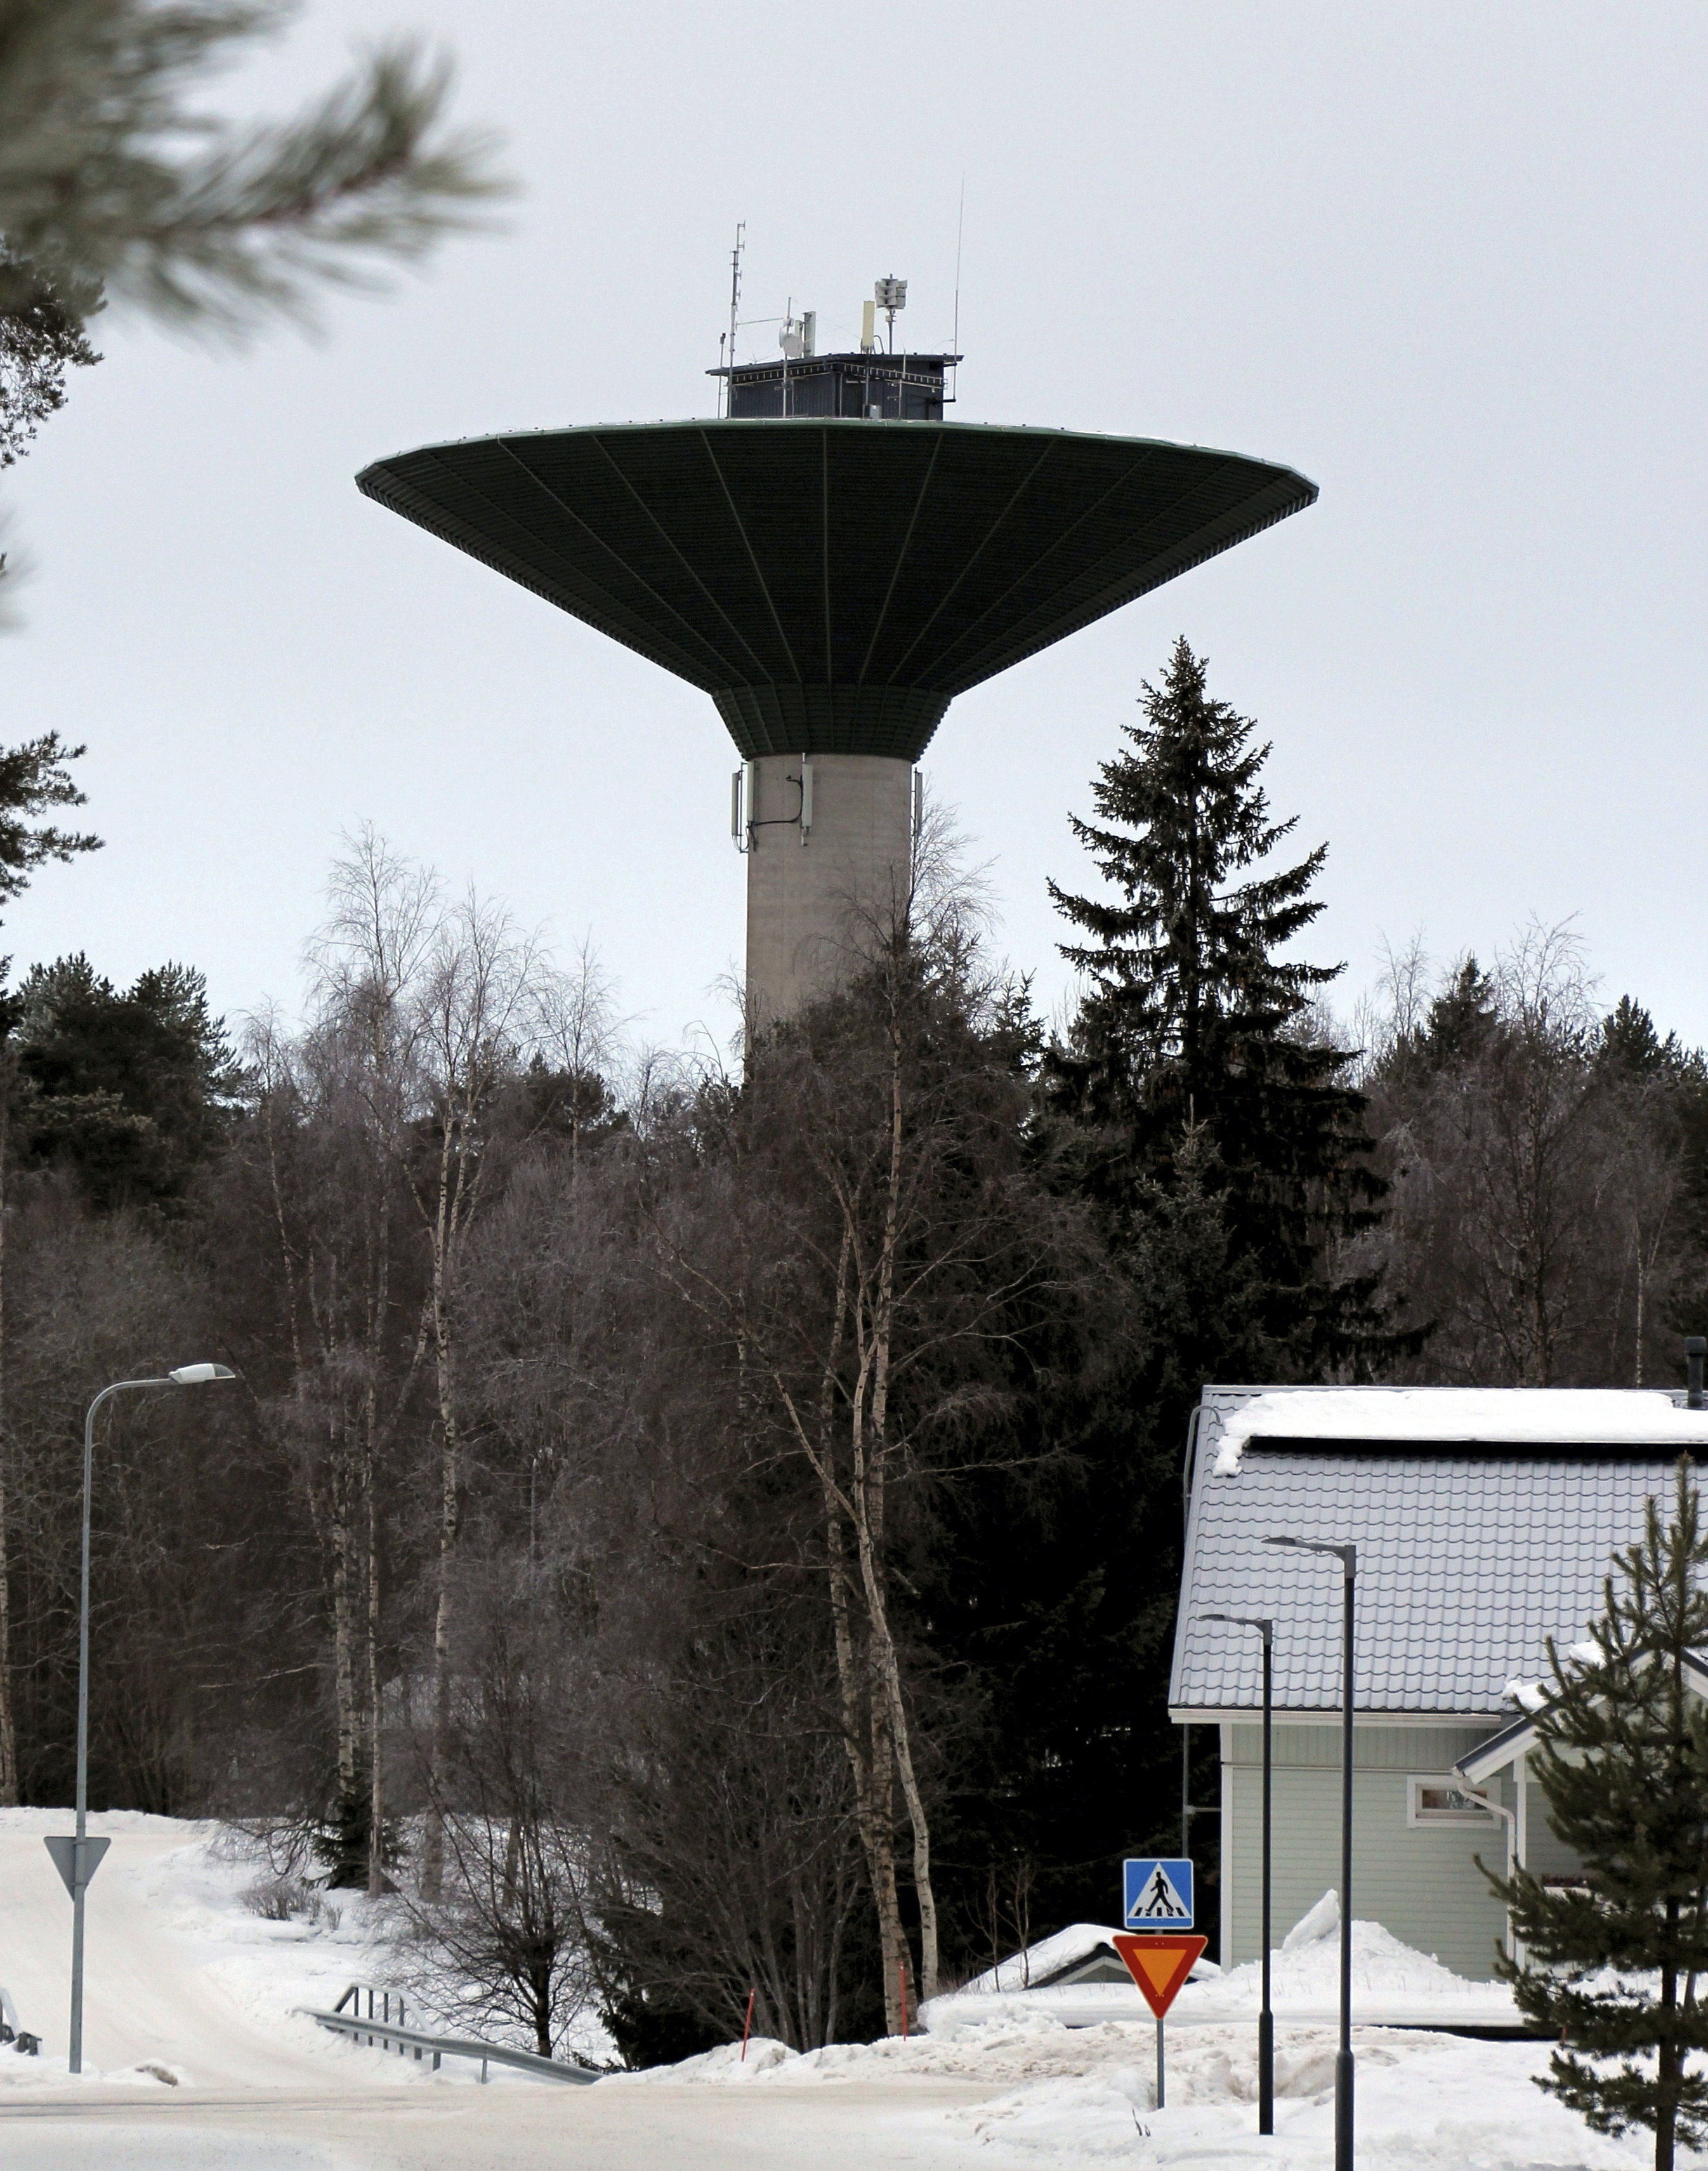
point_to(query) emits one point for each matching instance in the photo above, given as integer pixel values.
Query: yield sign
(65, 1853)
(1159, 1965)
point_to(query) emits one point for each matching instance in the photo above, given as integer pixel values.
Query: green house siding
(1545, 1852)
(1422, 1882)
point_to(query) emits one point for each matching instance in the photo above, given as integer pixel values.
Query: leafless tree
(875, 1242)
(1535, 1184)
(503, 1940)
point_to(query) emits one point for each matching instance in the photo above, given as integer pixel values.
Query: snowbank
(1392, 1985)
(1425, 2103)
(1391, 1982)
(1583, 1415)
(1021, 2035)
(1026, 2047)
(1000, 2039)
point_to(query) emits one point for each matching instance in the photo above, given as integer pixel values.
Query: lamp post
(186, 1375)
(1266, 2019)
(1347, 1557)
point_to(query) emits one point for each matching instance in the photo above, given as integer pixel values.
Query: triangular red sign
(1159, 1965)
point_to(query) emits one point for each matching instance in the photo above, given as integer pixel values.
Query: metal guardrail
(392, 2034)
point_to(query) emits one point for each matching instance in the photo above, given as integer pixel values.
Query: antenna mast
(735, 298)
(960, 228)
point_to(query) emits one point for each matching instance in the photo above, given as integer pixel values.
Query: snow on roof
(1469, 1558)
(1581, 1416)
(1041, 1963)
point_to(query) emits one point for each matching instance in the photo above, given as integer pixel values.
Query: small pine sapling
(1612, 1964)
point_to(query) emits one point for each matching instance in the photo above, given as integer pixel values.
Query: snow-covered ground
(1392, 1985)
(184, 1980)
(1061, 2097)
(184, 1985)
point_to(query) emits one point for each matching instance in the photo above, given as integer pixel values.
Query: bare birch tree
(473, 1016)
(879, 1317)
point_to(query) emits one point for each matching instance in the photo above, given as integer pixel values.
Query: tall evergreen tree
(133, 1090)
(1613, 1963)
(1195, 1038)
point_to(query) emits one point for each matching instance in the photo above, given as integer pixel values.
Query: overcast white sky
(1447, 259)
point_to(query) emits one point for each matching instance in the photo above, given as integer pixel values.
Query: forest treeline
(692, 1530)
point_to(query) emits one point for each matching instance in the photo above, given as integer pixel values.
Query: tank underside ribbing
(834, 584)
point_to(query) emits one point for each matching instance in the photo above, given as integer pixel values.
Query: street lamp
(1348, 1557)
(1266, 2019)
(81, 1869)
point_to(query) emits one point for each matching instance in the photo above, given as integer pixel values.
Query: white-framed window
(1440, 1799)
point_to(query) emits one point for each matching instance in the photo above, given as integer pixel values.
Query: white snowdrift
(1001, 2039)
(1392, 1985)
(1425, 2103)
(1075, 2098)
(1321, 1920)
(1587, 1416)
(1030, 2046)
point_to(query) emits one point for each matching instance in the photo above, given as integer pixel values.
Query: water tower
(832, 561)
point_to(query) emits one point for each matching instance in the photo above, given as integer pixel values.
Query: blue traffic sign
(1157, 1894)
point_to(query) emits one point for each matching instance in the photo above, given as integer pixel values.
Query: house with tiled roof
(1485, 1520)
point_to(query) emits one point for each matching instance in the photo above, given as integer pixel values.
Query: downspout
(1514, 1851)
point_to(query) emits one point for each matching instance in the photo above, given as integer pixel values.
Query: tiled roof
(1468, 1559)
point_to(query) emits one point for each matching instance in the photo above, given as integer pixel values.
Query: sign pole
(1266, 2019)
(1343, 2059)
(1160, 1964)
(79, 1888)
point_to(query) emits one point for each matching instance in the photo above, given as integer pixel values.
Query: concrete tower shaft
(829, 840)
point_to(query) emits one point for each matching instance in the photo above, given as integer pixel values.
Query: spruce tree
(1612, 1964)
(1195, 1037)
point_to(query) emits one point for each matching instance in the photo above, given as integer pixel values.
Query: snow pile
(1210, 2066)
(1425, 2103)
(726, 2066)
(1318, 1922)
(1004, 2042)
(1393, 1984)
(17, 2074)
(1583, 1415)
(1390, 1980)
(1000, 2053)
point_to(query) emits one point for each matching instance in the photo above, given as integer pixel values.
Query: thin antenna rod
(960, 228)
(735, 304)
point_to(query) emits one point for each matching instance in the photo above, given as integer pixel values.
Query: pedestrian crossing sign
(1157, 1894)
